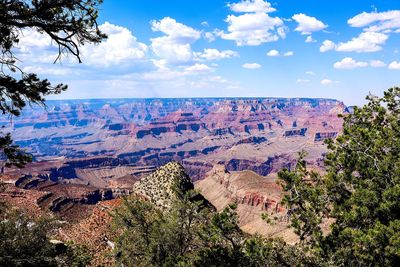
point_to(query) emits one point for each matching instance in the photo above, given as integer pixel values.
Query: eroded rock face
(321, 136)
(96, 142)
(254, 195)
(242, 187)
(135, 131)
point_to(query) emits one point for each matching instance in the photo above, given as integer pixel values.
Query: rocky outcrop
(166, 185)
(249, 189)
(297, 132)
(175, 122)
(263, 168)
(255, 199)
(325, 135)
(254, 195)
(253, 140)
(159, 186)
(197, 170)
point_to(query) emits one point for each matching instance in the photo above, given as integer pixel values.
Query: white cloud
(172, 52)
(326, 82)
(303, 81)
(377, 64)
(255, 27)
(215, 54)
(175, 30)
(273, 53)
(365, 42)
(349, 63)
(276, 53)
(310, 39)
(120, 47)
(35, 48)
(53, 70)
(128, 65)
(31, 39)
(394, 65)
(175, 46)
(198, 68)
(251, 66)
(307, 24)
(377, 21)
(327, 45)
(310, 73)
(204, 24)
(182, 72)
(209, 36)
(247, 6)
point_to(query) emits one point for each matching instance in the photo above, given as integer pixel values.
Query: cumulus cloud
(54, 70)
(198, 68)
(310, 39)
(326, 82)
(31, 39)
(364, 43)
(327, 45)
(377, 26)
(209, 36)
(310, 73)
(255, 27)
(35, 47)
(276, 53)
(377, 64)
(121, 66)
(248, 6)
(175, 30)
(273, 53)
(215, 54)
(251, 66)
(395, 65)
(120, 47)
(175, 45)
(377, 21)
(307, 24)
(349, 63)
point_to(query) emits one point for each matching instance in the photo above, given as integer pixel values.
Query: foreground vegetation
(26, 241)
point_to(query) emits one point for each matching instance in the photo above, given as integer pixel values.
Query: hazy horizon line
(195, 97)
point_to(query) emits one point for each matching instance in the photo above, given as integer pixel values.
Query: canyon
(88, 152)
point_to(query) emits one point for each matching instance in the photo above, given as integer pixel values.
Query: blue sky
(252, 48)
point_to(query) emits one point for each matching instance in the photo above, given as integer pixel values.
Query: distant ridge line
(196, 98)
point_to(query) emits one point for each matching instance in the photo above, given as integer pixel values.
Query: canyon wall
(259, 134)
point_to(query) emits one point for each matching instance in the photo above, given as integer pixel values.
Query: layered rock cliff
(254, 195)
(153, 132)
